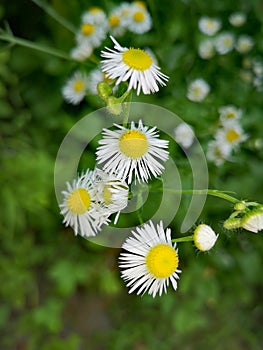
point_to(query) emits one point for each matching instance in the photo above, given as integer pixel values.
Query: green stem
(215, 193)
(184, 239)
(126, 110)
(52, 13)
(31, 45)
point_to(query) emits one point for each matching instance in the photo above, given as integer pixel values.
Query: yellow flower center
(107, 194)
(95, 10)
(210, 24)
(87, 29)
(137, 59)
(232, 135)
(230, 115)
(133, 144)
(78, 201)
(140, 3)
(227, 42)
(138, 16)
(114, 21)
(162, 260)
(78, 85)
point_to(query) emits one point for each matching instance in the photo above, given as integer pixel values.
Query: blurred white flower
(224, 42)
(197, 90)
(218, 152)
(237, 19)
(244, 44)
(206, 49)
(95, 15)
(209, 26)
(139, 19)
(75, 88)
(229, 113)
(81, 52)
(231, 134)
(91, 34)
(184, 135)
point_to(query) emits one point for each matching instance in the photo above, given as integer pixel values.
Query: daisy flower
(224, 42)
(197, 90)
(184, 135)
(204, 237)
(136, 150)
(218, 152)
(117, 21)
(112, 192)
(95, 15)
(79, 206)
(244, 44)
(231, 134)
(237, 19)
(91, 34)
(208, 25)
(135, 65)
(229, 113)
(151, 261)
(75, 88)
(206, 49)
(253, 221)
(81, 52)
(139, 19)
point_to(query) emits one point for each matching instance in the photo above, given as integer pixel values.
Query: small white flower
(95, 15)
(206, 49)
(244, 44)
(253, 221)
(91, 34)
(79, 207)
(117, 22)
(75, 88)
(209, 26)
(81, 52)
(204, 237)
(231, 134)
(229, 113)
(139, 19)
(218, 152)
(224, 42)
(197, 90)
(237, 19)
(184, 135)
(134, 151)
(151, 261)
(133, 65)
(257, 67)
(112, 193)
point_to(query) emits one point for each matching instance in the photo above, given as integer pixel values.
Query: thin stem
(215, 193)
(52, 13)
(126, 112)
(184, 239)
(29, 44)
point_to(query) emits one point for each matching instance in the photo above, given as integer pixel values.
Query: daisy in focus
(133, 65)
(75, 88)
(134, 151)
(209, 26)
(197, 90)
(224, 42)
(79, 206)
(112, 193)
(151, 261)
(204, 237)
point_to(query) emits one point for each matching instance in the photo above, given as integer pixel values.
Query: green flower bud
(104, 90)
(240, 206)
(232, 223)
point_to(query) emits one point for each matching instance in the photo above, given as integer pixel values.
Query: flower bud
(104, 90)
(204, 237)
(232, 223)
(253, 221)
(240, 206)
(114, 106)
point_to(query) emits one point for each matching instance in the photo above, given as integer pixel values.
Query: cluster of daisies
(228, 136)
(225, 41)
(95, 25)
(135, 66)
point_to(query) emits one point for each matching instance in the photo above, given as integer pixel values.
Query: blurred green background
(61, 292)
